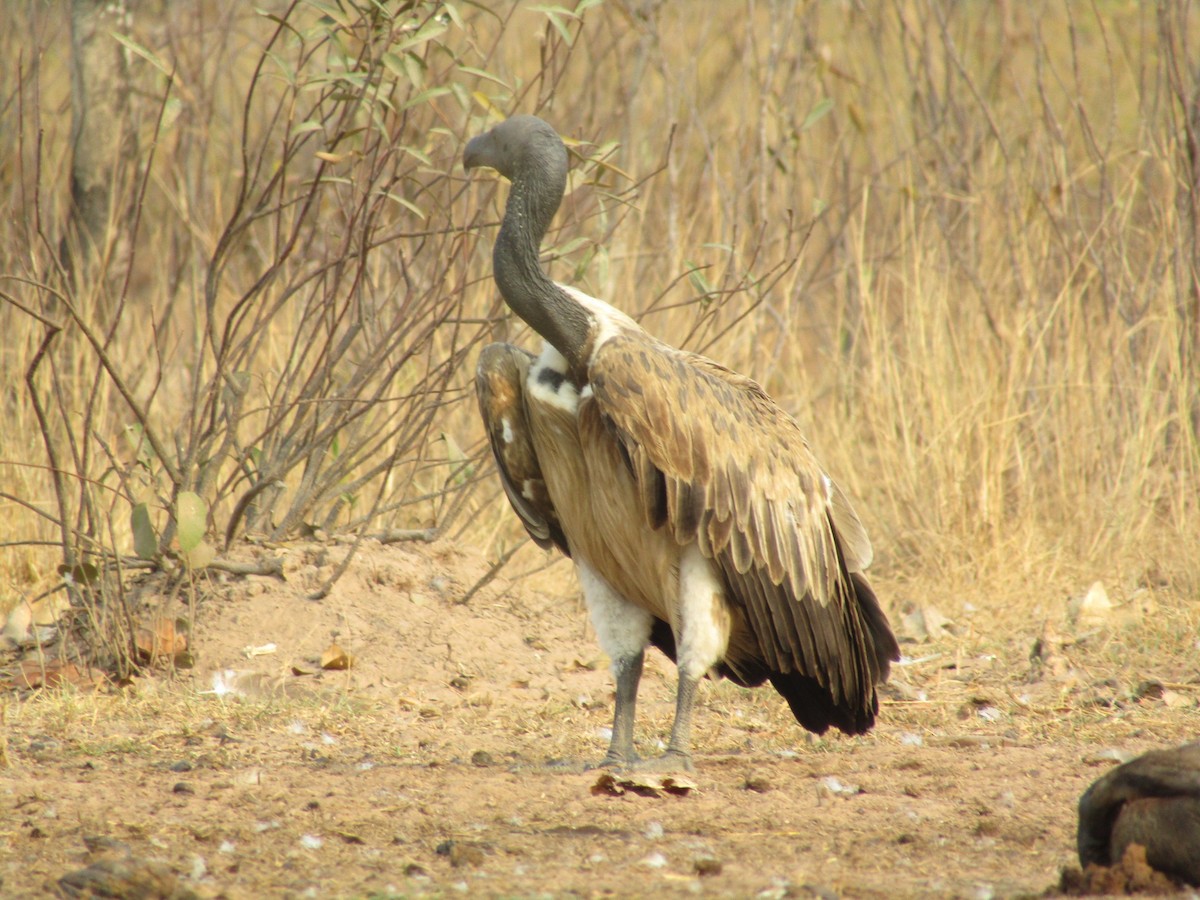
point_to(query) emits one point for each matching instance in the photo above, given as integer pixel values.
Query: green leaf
(460, 463)
(418, 154)
(199, 556)
(485, 75)
(818, 113)
(555, 14)
(455, 17)
(407, 204)
(135, 438)
(431, 29)
(425, 96)
(191, 517)
(145, 540)
(570, 246)
(332, 11)
(696, 277)
(148, 55)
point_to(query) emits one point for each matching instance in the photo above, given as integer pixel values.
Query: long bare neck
(525, 286)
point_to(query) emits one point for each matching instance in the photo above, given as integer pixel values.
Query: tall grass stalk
(958, 241)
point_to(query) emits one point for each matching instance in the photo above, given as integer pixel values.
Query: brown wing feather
(720, 463)
(500, 387)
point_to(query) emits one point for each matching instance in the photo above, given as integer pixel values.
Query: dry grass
(958, 241)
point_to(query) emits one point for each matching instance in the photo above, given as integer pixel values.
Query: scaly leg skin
(628, 673)
(624, 631)
(702, 636)
(678, 757)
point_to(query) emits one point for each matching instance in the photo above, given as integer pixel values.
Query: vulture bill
(696, 515)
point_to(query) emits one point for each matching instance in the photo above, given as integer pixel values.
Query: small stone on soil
(460, 854)
(758, 783)
(707, 865)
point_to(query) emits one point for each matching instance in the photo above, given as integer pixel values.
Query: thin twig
(490, 574)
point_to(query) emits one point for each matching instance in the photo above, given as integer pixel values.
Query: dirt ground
(449, 757)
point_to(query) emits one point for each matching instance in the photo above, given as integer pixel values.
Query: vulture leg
(703, 636)
(628, 672)
(679, 748)
(623, 630)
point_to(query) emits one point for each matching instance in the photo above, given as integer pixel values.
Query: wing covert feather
(500, 387)
(717, 461)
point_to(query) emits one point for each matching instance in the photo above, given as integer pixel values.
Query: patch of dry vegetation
(960, 242)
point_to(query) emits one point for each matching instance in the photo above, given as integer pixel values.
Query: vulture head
(525, 150)
(530, 154)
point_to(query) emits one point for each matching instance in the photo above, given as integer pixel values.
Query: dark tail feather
(814, 708)
(812, 704)
(879, 633)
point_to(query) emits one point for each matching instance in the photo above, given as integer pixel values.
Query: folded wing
(500, 387)
(719, 463)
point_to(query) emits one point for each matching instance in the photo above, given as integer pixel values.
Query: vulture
(697, 517)
(1153, 800)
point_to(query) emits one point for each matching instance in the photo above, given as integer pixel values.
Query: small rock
(758, 783)
(461, 854)
(706, 865)
(182, 766)
(1149, 690)
(1093, 608)
(183, 787)
(990, 714)
(100, 846)
(482, 759)
(1108, 756)
(124, 878)
(831, 786)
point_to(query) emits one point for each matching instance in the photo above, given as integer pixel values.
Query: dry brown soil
(449, 759)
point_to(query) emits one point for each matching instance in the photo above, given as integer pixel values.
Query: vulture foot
(671, 761)
(618, 762)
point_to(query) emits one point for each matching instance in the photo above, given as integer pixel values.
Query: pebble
(707, 865)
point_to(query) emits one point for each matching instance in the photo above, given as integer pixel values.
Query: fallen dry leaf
(49, 610)
(33, 674)
(644, 784)
(1093, 608)
(924, 623)
(29, 624)
(160, 639)
(336, 658)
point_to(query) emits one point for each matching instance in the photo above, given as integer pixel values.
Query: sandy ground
(449, 758)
